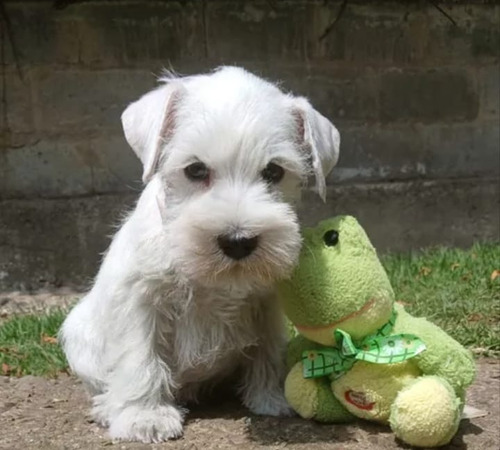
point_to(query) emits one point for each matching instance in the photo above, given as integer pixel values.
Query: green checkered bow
(379, 348)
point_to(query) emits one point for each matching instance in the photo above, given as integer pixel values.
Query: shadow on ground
(270, 432)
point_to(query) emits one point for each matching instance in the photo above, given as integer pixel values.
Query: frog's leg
(312, 398)
(426, 413)
(444, 356)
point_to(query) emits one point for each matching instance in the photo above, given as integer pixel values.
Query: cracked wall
(414, 93)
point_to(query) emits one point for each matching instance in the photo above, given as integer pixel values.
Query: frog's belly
(368, 390)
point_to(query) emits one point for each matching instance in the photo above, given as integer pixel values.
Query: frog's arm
(444, 356)
(312, 398)
(296, 347)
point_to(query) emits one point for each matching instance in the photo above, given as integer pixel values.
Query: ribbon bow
(378, 348)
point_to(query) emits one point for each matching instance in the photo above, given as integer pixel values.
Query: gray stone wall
(415, 95)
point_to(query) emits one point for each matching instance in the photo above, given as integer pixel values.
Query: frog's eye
(331, 238)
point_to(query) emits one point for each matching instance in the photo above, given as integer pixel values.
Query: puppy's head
(230, 153)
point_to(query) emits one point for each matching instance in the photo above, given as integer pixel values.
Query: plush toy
(358, 353)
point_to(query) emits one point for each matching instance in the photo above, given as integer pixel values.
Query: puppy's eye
(197, 172)
(331, 238)
(273, 173)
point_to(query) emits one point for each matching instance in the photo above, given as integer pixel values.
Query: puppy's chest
(210, 338)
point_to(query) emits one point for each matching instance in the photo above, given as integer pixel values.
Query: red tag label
(359, 400)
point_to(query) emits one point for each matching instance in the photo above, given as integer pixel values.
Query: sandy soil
(15, 302)
(38, 413)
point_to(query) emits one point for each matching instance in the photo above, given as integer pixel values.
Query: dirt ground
(38, 413)
(15, 302)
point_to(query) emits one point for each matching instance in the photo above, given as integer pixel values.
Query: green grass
(28, 345)
(453, 288)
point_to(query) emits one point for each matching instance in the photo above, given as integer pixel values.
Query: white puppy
(184, 294)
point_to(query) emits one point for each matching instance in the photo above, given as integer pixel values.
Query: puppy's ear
(320, 137)
(149, 122)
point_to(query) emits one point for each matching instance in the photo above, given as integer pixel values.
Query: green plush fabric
(444, 356)
(340, 284)
(328, 272)
(438, 414)
(329, 408)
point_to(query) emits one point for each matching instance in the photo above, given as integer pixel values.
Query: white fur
(169, 313)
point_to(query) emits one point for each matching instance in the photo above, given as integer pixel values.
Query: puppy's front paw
(269, 403)
(147, 425)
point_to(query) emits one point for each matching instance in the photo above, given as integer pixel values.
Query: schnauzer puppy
(184, 295)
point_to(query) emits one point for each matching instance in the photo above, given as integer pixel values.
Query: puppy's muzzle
(237, 247)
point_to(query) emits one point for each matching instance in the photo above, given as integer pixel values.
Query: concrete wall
(414, 95)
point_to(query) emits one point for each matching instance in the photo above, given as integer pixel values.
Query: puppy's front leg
(138, 403)
(263, 391)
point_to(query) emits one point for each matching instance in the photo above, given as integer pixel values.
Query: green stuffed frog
(358, 353)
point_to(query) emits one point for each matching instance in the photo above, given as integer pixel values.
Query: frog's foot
(426, 413)
(313, 398)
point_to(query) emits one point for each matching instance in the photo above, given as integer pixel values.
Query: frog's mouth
(335, 324)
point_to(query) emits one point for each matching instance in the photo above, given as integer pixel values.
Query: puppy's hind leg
(83, 344)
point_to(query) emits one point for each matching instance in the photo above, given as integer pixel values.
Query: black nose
(237, 248)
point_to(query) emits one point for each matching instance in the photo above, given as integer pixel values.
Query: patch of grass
(28, 345)
(458, 290)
